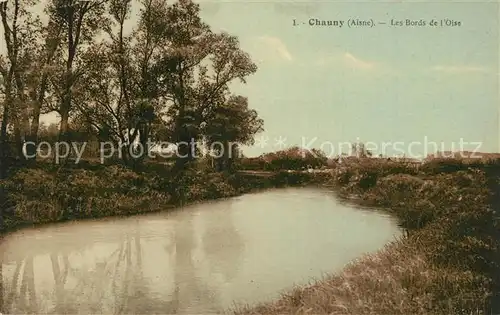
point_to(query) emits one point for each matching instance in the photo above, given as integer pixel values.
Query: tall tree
(40, 74)
(122, 101)
(81, 21)
(230, 125)
(146, 100)
(19, 37)
(168, 79)
(196, 69)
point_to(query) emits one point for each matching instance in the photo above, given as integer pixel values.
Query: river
(203, 258)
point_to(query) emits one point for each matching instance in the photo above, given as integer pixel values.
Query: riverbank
(447, 264)
(47, 193)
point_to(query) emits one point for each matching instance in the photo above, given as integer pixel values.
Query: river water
(201, 259)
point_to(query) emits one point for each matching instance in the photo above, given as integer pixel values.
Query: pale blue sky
(381, 84)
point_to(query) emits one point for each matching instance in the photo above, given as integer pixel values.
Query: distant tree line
(294, 158)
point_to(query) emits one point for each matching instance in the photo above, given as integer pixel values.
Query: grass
(46, 193)
(396, 280)
(449, 262)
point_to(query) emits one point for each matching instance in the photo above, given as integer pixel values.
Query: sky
(398, 89)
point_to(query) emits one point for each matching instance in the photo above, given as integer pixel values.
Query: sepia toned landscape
(210, 157)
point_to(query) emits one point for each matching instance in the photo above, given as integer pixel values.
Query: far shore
(442, 207)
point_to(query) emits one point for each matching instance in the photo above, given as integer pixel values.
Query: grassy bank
(49, 193)
(447, 264)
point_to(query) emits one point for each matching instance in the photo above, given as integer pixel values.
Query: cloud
(274, 47)
(459, 69)
(346, 60)
(357, 63)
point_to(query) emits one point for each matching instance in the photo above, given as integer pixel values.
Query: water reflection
(198, 260)
(222, 244)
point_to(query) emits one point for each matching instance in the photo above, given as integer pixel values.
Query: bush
(443, 165)
(447, 264)
(51, 194)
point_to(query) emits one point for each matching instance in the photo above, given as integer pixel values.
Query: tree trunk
(35, 122)
(64, 127)
(22, 120)
(184, 148)
(3, 141)
(18, 141)
(185, 155)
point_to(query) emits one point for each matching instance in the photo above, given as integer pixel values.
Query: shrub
(443, 165)
(51, 194)
(449, 262)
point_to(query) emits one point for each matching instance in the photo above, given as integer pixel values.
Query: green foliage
(293, 158)
(44, 195)
(443, 165)
(195, 185)
(364, 173)
(112, 85)
(447, 264)
(253, 164)
(285, 178)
